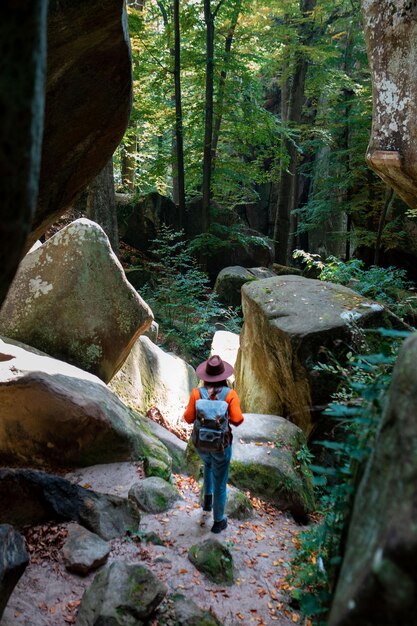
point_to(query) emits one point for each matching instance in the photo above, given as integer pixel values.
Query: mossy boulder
(268, 459)
(230, 280)
(238, 504)
(122, 594)
(103, 315)
(152, 377)
(290, 323)
(153, 494)
(378, 579)
(65, 416)
(214, 560)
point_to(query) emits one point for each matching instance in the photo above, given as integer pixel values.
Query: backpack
(211, 426)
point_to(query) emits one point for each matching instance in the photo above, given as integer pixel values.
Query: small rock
(213, 559)
(155, 467)
(188, 613)
(153, 538)
(121, 595)
(84, 551)
(153, 494)
(238, 504)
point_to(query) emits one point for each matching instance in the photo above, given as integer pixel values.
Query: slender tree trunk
(128, 158)
(179, 144)
(222, 82)
(389, 199)
(287, 187)
(101, 204)
(208, 124)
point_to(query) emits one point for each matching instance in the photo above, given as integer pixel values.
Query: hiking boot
(208, 503)
(219, 526)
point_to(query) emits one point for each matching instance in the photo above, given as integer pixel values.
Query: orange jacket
(232, 399)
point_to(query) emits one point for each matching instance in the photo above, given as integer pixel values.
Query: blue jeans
(216, 472)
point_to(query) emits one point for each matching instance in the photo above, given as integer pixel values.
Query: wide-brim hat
(214, 370)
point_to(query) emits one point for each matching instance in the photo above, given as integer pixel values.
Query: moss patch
(213, 559)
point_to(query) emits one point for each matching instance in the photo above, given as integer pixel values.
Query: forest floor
(47, 595)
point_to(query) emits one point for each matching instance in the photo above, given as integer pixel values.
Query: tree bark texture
(391, 37)
(101, 204)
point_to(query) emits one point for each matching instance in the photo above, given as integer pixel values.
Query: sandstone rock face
(88, 90)
(391, 41)
(84, 551)
(70, 298)
(152, 377)
(226, 345)
(55, 413)
(267, 460)
(175, 446)
(122, 594)
(13, 561)
(230, 280)
(378, 580)
(139, 222)
(22, 101)
(288, 323)
(33, 497)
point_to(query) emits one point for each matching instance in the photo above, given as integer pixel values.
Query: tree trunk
(222, 82)
(179, 144)
(128, 158)
(208, 124)
(287, 186)
(389, 199)
(101, 204)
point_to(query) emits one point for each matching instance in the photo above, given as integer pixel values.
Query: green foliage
(355, 413)
(220, 237)
(388, 285)
(183, 303)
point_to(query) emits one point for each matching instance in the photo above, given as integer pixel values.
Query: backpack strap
(204, 395)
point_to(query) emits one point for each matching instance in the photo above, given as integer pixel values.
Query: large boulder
(269, 460)
(33, 497)
(121, 595)
(289, 324)
(391, 42)
(230, 280)
(70, 298)
(378, 580)
(13, 561)
(22, 102)
(140, 219)
(54, 413)
(88, 91)
(175, 446)
(153, 377)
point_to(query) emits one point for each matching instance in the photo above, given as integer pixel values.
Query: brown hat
(214, 370)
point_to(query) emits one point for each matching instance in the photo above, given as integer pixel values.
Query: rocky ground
(47, 595)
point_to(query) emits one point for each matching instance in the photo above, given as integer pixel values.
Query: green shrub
(355, 414)
(183, 303)
(388, 285)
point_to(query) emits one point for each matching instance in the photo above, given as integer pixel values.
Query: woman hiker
(212, 408)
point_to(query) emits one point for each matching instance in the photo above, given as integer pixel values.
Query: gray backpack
(211, 432)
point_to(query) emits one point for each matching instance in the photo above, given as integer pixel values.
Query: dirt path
(47, 595)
